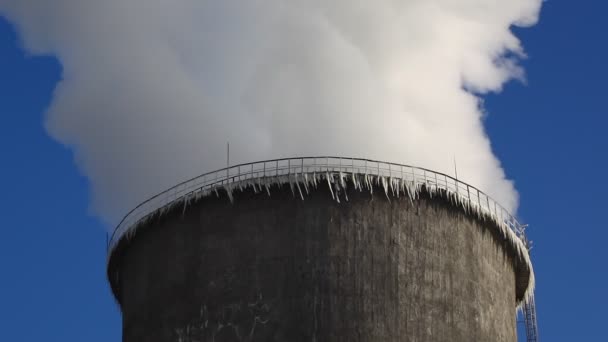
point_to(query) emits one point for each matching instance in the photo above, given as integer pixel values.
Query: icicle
(409, 190)
(382, 180)
(229, 192)
(291, 186)
(185, 206)
(337, 190)
(330, 189)
(298, 185)
(306, 183)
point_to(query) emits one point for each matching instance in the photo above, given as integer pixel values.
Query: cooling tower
(320, 249)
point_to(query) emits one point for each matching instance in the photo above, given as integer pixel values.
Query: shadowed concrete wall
(281, 269)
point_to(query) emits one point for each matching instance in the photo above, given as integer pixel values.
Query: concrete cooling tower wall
(267, 264)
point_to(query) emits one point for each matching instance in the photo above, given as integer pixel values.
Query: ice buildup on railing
(337, 173)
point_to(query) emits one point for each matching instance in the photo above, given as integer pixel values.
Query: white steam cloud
(153, 89)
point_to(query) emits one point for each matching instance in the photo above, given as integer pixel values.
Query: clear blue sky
(550, 135)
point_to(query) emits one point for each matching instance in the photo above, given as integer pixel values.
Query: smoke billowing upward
(152, 90)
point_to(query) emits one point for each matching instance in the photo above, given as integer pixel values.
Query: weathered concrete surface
(282, 269)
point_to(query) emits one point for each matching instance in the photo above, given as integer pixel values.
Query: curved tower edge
(302, 183)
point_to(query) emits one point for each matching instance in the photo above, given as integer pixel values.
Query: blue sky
(52, 252)
(550, 135)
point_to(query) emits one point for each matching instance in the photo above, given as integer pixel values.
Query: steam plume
(153, 90)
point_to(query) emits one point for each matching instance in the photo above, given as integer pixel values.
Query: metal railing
(292, 167)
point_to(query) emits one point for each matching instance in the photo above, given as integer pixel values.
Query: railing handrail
(223, 175)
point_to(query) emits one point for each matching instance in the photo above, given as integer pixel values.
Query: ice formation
(337, 178)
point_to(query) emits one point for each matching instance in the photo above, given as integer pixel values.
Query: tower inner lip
(304, 173)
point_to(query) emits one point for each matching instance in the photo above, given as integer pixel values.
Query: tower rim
(300, 173)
